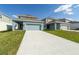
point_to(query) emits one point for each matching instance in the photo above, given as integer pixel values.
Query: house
(27, 22)
(5, 22)
(56, 24)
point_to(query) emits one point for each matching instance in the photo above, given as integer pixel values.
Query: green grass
(73, 36)
(10, 41)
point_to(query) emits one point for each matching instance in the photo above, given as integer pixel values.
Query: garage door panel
(32, 27)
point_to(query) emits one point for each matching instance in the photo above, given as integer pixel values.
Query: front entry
(20, 26)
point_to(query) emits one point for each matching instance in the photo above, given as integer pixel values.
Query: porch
(17, 25)
(53, 26)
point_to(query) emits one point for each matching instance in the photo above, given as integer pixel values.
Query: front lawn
(73, 36)
(10, 41)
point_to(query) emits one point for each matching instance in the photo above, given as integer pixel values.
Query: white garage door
(33, 27)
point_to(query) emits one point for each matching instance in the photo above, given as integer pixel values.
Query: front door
(20, 26)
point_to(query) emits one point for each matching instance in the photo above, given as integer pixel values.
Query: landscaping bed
(70, 35)
(10, 41)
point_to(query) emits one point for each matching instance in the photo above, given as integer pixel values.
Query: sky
(41, 11)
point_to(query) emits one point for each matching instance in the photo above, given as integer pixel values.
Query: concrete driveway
(42, 43)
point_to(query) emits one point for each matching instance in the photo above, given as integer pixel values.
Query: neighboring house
(74, 25)
(27, 22)
(5, 23)
(56, 24)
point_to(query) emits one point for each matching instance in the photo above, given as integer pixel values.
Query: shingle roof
(27, 16)
(28, 21)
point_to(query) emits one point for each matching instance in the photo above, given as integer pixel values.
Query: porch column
(24, 26)
(42, 26)
(13, 26)
(55, 26)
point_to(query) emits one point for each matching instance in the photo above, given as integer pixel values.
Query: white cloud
(68, 11)
(76, 6)
(14, 16)
(65, 9)
(62, 8)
